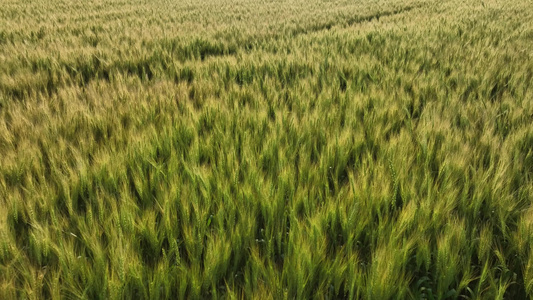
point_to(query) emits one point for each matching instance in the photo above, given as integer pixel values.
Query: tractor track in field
(355, 20)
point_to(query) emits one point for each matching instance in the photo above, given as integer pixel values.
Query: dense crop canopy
(354, 149)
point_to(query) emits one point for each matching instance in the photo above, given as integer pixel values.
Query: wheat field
(266, 149)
